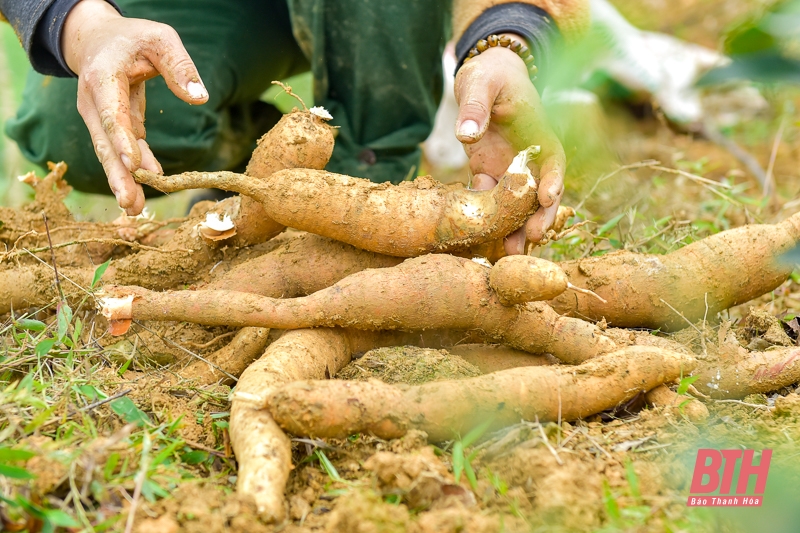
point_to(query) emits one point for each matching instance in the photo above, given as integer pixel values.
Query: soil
(408, 364)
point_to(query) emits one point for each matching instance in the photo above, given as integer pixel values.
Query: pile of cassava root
(370, 265)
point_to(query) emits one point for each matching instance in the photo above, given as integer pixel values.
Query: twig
(140, 479)
(572, 287)
(693, 177)
(288, 90)
(103, 401)
(560, 430)
(212, 341)
(52, 256)
(611, 174)
(547, 443)
(757, 406)
(738, 152)
(199, 446)
(65, 277)
(769, 179)
(651, 448)
(570, 436)
(116, 242)
(597, 444)
(673, 224)
(178, 346)
(681, 315)
(696, 393)
(73, 412)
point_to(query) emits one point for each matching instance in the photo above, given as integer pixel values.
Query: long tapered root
(456, 293)
(699, 280)
(262, 449)
(356, 211)
(446, 409)
(750, 373)
(228, 363)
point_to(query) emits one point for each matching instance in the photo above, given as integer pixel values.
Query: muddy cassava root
(698, 280)
(743, 373)
(300, 265)
(456, 293)
(406, 220)
(262, 449)
(663, 396)
(300, 139)
(446, 409)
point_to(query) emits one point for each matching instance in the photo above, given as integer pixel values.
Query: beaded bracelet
(506, 42)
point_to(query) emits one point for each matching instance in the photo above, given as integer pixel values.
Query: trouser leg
(377, 69)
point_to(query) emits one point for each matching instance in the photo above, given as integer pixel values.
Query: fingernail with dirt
(196, 90)
(469, 128)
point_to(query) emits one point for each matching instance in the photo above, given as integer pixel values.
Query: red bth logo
(714, 473)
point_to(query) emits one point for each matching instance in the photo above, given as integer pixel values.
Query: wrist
(492, 45)
(77, 27)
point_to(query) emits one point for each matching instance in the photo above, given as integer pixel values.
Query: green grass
(64, 422)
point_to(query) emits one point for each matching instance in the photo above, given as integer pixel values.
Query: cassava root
(446, 409)
(406, 220)
(663, 396)
(455, 291)
(300, 139)
(736, 376)
(262, 449)
(670, 291)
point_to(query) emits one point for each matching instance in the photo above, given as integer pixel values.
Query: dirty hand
(500, 114)
(113, 56)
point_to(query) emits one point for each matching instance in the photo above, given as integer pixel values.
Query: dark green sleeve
(38, 25)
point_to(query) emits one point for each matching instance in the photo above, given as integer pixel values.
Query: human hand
(113, 56)
(500, 113)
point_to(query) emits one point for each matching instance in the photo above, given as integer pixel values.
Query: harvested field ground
(101, 433)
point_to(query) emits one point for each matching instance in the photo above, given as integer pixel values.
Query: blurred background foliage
(764, 47)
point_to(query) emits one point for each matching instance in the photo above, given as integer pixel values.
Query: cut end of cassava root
(118, 312)
(217, 227)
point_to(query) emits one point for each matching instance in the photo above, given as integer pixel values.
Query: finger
(110, 101)
(514, 244)
(551, 185)
(138, 104)
(540, 223)
(491, 155)
(483, 182)
(149, 161)
(476, 95)
(128, 193)
(553, 167)
(168, 55)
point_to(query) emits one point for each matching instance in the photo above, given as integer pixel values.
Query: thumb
(475, 98)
